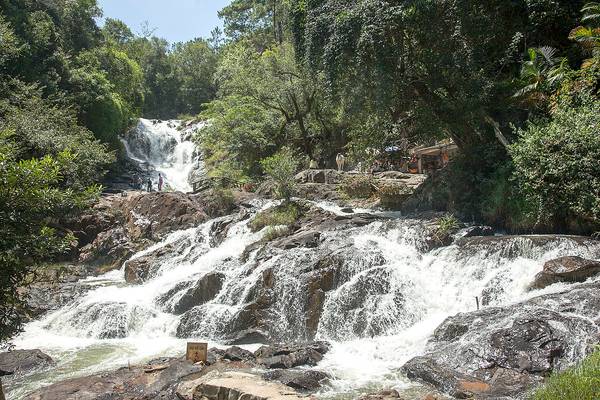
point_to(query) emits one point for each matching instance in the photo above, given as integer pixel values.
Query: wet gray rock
(120, 225)
(304, 381)
(214, 355)
(142, 268)
(505, 351)
(566, 269)
(248, 336)
(22, 361)
(473, 231)
(289, 356)
(236, 353)
(389, 394)
(202, 292)
(308, 239)
(427, 370)
(54, 288)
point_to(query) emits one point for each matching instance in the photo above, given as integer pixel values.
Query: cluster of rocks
(120, 225)
(233, 371)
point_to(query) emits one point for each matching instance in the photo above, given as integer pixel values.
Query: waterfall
(165, 147)
(385, 298)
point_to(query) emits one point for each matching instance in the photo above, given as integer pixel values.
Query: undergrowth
(283, 215)
(578, 383)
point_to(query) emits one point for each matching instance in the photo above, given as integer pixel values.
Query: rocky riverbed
(394, 298)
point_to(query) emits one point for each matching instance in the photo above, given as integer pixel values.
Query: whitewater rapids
(116, 323)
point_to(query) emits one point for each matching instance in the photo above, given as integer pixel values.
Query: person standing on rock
(160, 182)
(149, 185)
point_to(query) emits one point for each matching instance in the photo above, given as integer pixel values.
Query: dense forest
(515, 84)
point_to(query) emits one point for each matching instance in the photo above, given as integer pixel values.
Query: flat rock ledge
(240, 386)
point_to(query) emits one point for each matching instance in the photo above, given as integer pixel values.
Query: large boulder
(140, 269)
(289, 356)
(108, 250)
(22, 361)
(301, 380)
(505, 351)
(236, 353)
(566, 269)
(205, 289)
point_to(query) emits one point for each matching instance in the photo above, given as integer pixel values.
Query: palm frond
(591, 12)
(548, 53)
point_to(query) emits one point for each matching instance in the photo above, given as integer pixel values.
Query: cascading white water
(165, 147)
(390, 299)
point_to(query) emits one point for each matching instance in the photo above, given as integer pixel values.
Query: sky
(174, 20)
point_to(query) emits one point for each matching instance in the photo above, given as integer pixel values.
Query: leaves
(558, 165)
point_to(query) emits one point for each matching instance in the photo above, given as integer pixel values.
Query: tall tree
(195, 64)
(263, 21)
(431, 67)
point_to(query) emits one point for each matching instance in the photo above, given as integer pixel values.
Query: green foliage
(275, 232)
(195, 65)
(357, 187)
(237, 138)
(588, 36)
(579, 383)
(502, 204)
(427, 68)
(557, 166)
(264, 22)
(266, 101)
(39, 128)
(447, 224)
(281, 168)
(283, 215)
(541, 73)
(30, 197)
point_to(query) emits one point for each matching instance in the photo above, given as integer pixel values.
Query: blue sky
(174, 20)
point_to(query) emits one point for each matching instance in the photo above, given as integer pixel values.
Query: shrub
(357, 187)
(578, 383)
(502, 204)
(281, 167)
(285, 214)
(557, 167)
(392, 195)
(275, 232)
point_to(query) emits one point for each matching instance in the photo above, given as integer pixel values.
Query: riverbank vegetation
(579, 383)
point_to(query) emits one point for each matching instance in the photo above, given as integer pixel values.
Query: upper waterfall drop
(165, 147)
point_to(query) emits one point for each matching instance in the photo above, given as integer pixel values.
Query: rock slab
(240, 386)
(566, 269)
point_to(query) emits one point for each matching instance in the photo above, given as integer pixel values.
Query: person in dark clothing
(149, 185)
